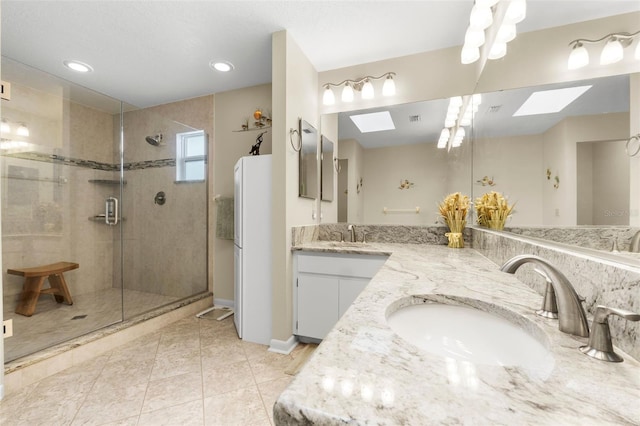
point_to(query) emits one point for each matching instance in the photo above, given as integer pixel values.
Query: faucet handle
(600, 346)
(549, 304)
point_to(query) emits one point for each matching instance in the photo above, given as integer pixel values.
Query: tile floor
(54, 323)
(193, 372)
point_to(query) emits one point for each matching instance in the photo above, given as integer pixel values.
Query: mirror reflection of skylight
(550, 101)
(374, 122)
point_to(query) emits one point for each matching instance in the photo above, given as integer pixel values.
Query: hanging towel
(224, 220)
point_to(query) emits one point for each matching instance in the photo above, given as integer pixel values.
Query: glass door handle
(111, 211)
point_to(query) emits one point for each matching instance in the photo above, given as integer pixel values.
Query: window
(191, 156)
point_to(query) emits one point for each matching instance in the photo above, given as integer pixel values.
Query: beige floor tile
(270, 366)
(143, 348)
(270, 391)
(254, 350)
(225, 378)
(171, 391)
(175, 363)
(222, 353)
(130, 421)
(187, 414)
(238, 407)
(126, 373)
(109, 403)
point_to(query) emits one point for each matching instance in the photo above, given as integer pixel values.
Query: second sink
(470, 334)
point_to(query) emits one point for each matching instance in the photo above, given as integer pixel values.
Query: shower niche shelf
(107, 181)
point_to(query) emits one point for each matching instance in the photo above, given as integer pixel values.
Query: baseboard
(283, 346)
(223, 302)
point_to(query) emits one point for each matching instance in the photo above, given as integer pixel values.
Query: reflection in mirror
(308, 161)
(400, 169)
(561, 165)
(326, 169)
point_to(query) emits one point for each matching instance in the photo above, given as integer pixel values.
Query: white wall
(329, 129)
(634, 162)
(384, 168)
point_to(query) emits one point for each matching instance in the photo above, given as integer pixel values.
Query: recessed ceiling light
(374, 122)
(550, 101)
(222, 66)
(78, 66)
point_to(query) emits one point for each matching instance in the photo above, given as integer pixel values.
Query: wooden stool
(32, 287)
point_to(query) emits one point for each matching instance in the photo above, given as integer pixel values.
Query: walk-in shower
(80, 189)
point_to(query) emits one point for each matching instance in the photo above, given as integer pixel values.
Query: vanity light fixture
(363, 85)
(460, 113)
(78, 66)
(612, 52)
(482, 18)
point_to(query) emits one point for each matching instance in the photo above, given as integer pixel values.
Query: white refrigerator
(252, 248)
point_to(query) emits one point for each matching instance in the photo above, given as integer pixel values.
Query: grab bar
(415, 210)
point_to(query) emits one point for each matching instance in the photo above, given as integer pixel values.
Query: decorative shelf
(107, 181)
(253, 128)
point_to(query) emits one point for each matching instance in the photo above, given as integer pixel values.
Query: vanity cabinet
(325, 285)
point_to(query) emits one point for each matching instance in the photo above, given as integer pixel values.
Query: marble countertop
(364, 373)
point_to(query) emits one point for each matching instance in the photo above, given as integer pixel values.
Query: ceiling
(153, 52)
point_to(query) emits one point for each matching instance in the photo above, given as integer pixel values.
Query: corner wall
(295, 96)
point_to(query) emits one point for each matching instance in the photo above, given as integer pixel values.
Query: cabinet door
(317, 305)
(349, 289)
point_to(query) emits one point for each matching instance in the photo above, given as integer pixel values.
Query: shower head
(154, 140)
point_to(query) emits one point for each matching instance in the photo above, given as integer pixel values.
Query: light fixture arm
(623, 37)
(357, 84)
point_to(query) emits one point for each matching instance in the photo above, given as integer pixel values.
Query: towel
(224, 219)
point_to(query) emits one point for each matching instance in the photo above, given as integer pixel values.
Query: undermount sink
(470, 334)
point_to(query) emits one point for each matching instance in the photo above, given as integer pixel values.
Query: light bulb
(481, 17)
(347, 93)
(612, 52)
(516, 12)
(389, 87)
(469, 55)
(474, 37)
(4, 127)
(22, 131)
(506, 33)
(367, 90)
(579, 57)
(449, 122)
(328, 97)
(498, 50)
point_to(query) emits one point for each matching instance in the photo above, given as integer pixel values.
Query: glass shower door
(60, 193)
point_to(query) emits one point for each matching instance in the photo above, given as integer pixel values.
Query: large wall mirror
(327, 165)
(398, 175)
(308, 161)
(557, 151)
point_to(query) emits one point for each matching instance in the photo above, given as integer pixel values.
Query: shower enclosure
(81, 183)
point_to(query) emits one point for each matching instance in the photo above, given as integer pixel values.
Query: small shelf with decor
(261, 121)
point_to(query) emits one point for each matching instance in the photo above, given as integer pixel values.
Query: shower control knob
(160, 198)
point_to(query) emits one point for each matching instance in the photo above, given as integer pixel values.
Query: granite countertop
(364, 373)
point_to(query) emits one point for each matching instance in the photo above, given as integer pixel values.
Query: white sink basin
(469, 334)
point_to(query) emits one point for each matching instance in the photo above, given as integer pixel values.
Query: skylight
(550, 101)
(373, 122)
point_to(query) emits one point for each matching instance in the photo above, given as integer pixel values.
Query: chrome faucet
(571, 314)
(352, 230)
(634, 246)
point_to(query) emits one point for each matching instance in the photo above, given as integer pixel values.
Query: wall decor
(557, 184)
(261, 121)
(548, 173)
(405, 184)
(486, 181)
(255, 148)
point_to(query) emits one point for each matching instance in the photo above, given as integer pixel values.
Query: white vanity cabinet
(325, 285)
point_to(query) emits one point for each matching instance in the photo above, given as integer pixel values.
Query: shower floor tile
(54, 323)
(130, 385)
